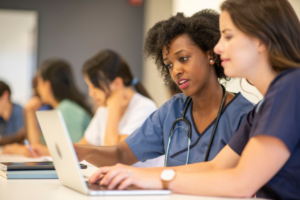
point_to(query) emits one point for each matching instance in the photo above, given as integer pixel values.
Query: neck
(209, 98)
(262, 77)
(53, 102)
(7, 111)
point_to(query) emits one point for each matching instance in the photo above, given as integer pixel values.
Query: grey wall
(76, 29)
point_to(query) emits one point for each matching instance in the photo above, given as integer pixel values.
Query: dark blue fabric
(151, 139)
(278, 115)
(14, 123)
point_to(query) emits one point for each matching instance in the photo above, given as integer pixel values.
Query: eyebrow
(178, 52)
(226, 29)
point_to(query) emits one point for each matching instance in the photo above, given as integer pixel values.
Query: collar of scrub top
(189, 129)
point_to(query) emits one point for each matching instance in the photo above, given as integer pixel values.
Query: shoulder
(287, 80)
(17, 109)
(70, 107)
(101, 112)
(239, 104)
(139, 101)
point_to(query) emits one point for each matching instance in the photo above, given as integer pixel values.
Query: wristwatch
(166, 176)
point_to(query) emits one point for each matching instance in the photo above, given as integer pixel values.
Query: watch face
(167, 174)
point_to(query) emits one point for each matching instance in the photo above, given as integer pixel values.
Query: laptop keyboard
(96, 186)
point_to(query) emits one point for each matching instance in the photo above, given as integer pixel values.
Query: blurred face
(188, 65)
(238, 51)
(98, 95)
(4, 99)
(43, 89)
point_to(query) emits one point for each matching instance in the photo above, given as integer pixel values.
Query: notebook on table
(65, 160)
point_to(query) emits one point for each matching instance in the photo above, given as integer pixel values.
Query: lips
(224, 61)
(183, 83)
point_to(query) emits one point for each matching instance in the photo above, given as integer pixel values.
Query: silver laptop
(66, 163)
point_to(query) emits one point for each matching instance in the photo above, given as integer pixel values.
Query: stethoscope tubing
(189, 129)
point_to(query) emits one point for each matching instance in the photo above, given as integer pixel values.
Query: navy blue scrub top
(14, 123)
(151, 139)
(278, 115)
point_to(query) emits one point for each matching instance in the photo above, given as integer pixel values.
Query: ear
(48, 85)
(116, 84)
(211, 57)
(6, 95)
(261, 47)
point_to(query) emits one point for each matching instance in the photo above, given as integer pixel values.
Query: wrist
(166, 176)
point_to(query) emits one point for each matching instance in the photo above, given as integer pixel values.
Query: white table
(51, 189)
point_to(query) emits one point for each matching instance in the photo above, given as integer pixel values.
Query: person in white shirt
(121, 110)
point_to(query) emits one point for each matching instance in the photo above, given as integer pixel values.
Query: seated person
(56, 88)
(182, 48)
(11, 118)
(260, 42)
(121, 109)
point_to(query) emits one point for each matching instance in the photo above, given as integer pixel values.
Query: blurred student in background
(121, 110)
(11, 118)
(56, 87)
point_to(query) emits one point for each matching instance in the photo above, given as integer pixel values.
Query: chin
(228, 71)
(188, 92)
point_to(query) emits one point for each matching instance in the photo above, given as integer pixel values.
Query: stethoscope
(189, 129)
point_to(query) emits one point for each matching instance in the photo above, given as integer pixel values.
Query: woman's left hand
(121, 176)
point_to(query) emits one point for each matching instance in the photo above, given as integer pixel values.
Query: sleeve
(92, 133)
(241, 137)
(147, 141)
(20, 120)
(280, 114)
(137, 118)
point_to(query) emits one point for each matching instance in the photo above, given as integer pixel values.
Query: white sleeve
(92, 133)
(136, 118)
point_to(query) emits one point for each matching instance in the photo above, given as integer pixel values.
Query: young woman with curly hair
(182, 48)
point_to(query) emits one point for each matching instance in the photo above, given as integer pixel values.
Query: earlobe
(261, 47)
(116, 84)
(211, 58)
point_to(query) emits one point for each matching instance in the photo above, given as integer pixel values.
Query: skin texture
(228, 174)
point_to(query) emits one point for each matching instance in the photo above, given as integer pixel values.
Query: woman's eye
(228, 37)
(183, 59)
(169, 66)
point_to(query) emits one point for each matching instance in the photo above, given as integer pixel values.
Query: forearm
(225, 183)
(112, 127)
(17, 137)
(107, 156)
(33, 132)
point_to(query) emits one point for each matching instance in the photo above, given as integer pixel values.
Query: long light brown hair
(275, 23)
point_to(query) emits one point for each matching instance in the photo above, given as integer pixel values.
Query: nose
(219, 48)
(177, 69)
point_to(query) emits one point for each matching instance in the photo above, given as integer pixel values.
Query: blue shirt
(151, 139)
(278, 115)
(14, 123)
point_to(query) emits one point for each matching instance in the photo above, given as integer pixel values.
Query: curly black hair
(202, 28)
